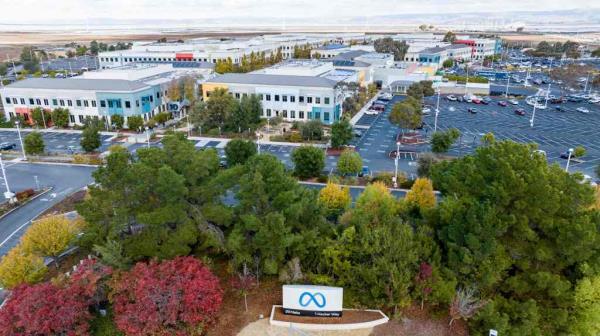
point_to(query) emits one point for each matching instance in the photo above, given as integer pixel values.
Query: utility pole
(437, 111)
(507, 81)
(533, 115)
(8, 194)
(396, 164)
(21, 139)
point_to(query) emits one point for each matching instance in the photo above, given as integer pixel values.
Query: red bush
(25, 194)
(54, 309)
(175, 297)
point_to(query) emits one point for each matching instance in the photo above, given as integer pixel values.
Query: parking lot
(554, 131)
(55, 142)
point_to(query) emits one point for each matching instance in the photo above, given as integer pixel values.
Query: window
(62, 102)
(151, 99)
(157, 95)
(309, 100)
(237, 95)
(268, 112)
(284, 98)
(276, 97)
(293, 99)
(86, 103)
(110, 103)
(93, 103)
(31, 101)
(46, 102)
(78, 102)
(301, 114)
(7, 100)
(268, 97)
(38, 101)
(11, 115)
(72, 118)
(285, 113)
(127, 104)
(14, 100)
(318, 100)
(301, 99)
(326, 116)
(55, 102)
(81, 119)
(137, 103)
(326, 100)
(118, 103)
(102, 103)
(69, 102)
(22, 101)
(317, 115)
(261, 96)
(293, 114)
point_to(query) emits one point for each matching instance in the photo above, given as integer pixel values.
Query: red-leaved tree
(60, 308)
(174, 297)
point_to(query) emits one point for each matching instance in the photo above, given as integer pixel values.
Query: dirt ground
(66, 205)
(417, 322)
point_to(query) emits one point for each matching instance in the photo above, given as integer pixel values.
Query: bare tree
(465, 304)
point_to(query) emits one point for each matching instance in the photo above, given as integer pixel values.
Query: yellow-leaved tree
(335, 199)
(421, 194)
(19, 267)
(51, 236)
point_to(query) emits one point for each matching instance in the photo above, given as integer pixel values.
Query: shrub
(308, 161)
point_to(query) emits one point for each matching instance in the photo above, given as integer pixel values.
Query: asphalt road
(55, 142)
(64, 180)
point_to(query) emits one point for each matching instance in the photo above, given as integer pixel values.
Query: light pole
(147, 137)
(506, 93)
(437, 111)
(21, 139)
(258, 142)
(533, 115)
(569, 159)
(8, 194)
(43, 117)
(396, 164)
(547, 94)
(187, 118)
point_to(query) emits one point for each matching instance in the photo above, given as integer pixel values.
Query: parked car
(451, 98)
(7, 146)
(560, 109)
(460, 99)
(520, 112)
(502, 103)
(476, 100)
(565, 155)
(358, 133)
(513, 102)
(582, 110)
(472, 110)
(558, 100)
(365, 171)
(486, 101)
(426, 110)
(223, 161)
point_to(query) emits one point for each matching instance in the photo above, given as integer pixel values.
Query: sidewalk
(363, 109)
(54, 130)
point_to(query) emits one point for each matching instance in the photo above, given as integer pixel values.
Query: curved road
(63, 179)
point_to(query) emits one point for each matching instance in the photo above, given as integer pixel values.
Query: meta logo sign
(307, 300)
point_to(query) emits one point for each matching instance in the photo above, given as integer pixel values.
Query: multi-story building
(480, 48)
(295, 98)
(128, 91)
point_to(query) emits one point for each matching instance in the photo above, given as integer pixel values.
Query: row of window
(159, 59)
(292, 114)
(78, 102)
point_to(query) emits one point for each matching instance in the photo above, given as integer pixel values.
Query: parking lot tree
(29, 59)
(135, 123)
(309, 161)
(90, 139)
(94, 47)
(246, 114)
(3, 69)
(34, 143)
(442, 141)
(238, 151)
(50, 236)
(449, 63)
(488, 139)
(579, 151)
(424, 164)
(335, 199)
(60, 117)
(312, 130)
(421, 195)
(407, 114)
(388, 45)
(18, 267)
(158, 299)
(218, 108)
(596, 53)
(117, 121)
(420, 89)
(349, 163)
(162, 117)
(449, 37)
(341, 133)
(517, 227)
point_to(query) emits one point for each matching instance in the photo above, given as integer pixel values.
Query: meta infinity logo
(312, 298)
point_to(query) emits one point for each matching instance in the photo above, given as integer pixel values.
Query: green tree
(388, 45)
(442, 141)
(449, 63)
(90, 139)
(117, 121)
(135, 122)
(162, 117)
(60, 117)
(94, 47)
(18, 267)
(407, 114)
(29, 59)
(218, 109)
(34, 143)
(246, 114)
(587, 307)
(449, 37)
(3, 69)
(51, 236)
(40, 117)
(579, 151)
(335, 199)
(308, 161)
(238, 151)
(349, 163)
(341, 133)
(312, 130)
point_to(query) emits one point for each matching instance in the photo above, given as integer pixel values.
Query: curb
(24, 204)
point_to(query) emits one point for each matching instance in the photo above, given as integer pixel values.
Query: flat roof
(278, 80)
(78, 84)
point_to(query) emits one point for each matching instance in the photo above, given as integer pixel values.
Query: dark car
(472, 110)
(7, 146)
(565, 155)
(520, 112)
(559, 109)
(559, 100)
(486, 101)
(460, 99)
(574, 99)
(502, 103)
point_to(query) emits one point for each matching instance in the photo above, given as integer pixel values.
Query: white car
(513, 102)
(371, 112)
(582, 110)
(426, 110)
(451, 98)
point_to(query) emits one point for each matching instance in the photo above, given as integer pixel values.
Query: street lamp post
(547, 94)
(533, 115)
(8, 194)
(21, 140)
(569, 159)
(258, 142)
(147, 137)
(396, 164)
(506, 93)
(437, 111)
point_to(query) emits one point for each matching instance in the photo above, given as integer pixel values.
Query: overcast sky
(28, 11)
